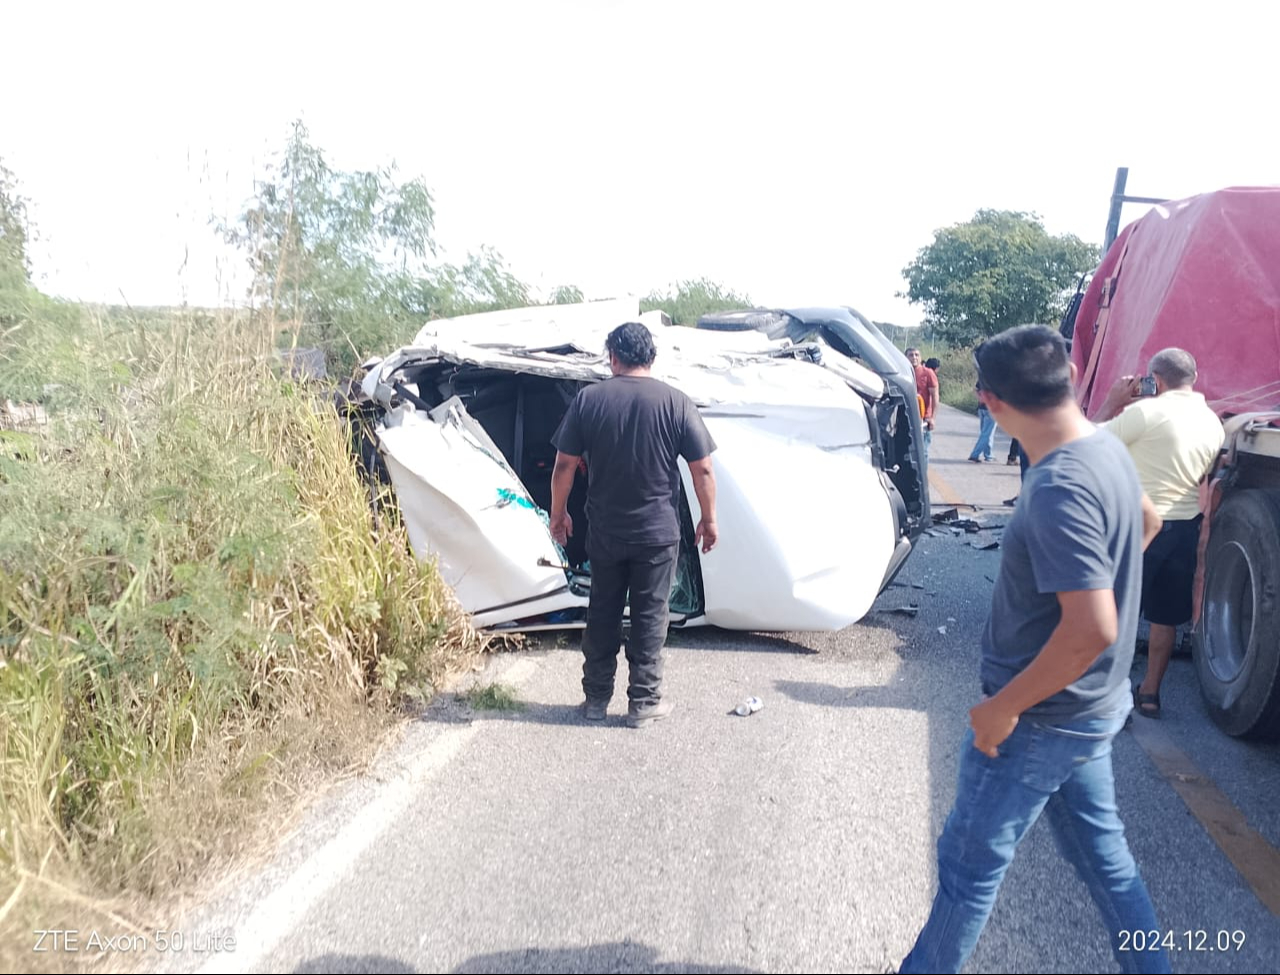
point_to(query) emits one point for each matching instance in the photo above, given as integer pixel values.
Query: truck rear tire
(1237, 642)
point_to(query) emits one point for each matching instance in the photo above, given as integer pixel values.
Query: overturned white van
(820, 470)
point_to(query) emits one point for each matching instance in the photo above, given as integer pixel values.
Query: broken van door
(463, 505)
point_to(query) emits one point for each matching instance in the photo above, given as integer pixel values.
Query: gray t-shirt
(1077, 526)
(631, 430)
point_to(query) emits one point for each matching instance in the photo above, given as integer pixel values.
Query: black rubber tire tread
(1247, 706)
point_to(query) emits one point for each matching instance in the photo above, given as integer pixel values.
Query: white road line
(278, 914)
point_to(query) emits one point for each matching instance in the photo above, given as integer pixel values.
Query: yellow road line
(939, 485)
(1257, 861)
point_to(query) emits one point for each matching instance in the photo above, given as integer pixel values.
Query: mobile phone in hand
(1147, 386)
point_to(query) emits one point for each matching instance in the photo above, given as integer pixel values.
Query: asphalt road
(797, 839)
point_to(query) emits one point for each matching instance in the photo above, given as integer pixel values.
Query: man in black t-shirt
(631, 429)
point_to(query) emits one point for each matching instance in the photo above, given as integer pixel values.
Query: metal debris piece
(986, 546)
(942, 630)
(750, 706)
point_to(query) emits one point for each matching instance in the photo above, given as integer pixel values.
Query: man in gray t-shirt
(1077, 527)
(1055, 664)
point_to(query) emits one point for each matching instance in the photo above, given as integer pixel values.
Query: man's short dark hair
(633, 344)
(933, 363)
(1177, 367)
(1027, 367)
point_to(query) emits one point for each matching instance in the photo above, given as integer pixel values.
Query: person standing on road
(1173, 438)
(631, 429)
(986, 427)
(927, 390)
(1056, 653)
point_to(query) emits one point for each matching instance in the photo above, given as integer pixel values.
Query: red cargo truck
(1203, 274)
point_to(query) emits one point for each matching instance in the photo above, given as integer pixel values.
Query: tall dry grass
(194, 599)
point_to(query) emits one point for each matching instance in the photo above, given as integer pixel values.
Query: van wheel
(1237, 642)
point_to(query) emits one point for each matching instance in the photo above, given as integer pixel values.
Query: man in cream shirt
(1173, 438)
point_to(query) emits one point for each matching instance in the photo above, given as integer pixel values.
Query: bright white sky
(801, 152)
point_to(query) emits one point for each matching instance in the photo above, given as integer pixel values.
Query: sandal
(1147, 705)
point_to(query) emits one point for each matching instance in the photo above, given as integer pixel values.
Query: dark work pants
(646, 572)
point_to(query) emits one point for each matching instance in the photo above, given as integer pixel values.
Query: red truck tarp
(1202, 274)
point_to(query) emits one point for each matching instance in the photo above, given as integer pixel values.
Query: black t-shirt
(631, 430)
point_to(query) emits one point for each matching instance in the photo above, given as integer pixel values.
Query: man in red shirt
(927, 388)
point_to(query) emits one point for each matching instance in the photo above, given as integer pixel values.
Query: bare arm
(704, 486)
(1125, 390)
(561, 484)
(1151, 522)
(1088, 626)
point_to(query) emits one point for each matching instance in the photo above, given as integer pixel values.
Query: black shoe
(1147, 705)
(595, 710)
(643, 715)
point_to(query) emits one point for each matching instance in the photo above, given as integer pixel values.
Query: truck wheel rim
(1231, 612)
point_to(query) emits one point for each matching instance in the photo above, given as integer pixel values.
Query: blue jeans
(1066, 766)
(986, 427)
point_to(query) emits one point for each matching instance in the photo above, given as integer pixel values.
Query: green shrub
(187, 558)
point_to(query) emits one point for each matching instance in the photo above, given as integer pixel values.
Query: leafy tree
(1000, 269)
(690, 299)
(15, 268)
(566, 294)
(333, 253)
(482, 283)
(343, 260)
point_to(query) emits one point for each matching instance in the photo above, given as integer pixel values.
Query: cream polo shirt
(1173, 439)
